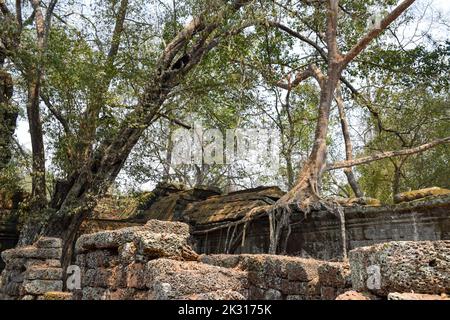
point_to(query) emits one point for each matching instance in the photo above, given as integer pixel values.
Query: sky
(22, 131)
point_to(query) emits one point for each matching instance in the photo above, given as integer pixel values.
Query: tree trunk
(8, 115)
(38, 192)
(348, 144)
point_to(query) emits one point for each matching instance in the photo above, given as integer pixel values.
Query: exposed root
(334, 207)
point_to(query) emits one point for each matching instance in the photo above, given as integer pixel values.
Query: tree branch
(387, 154)
(375, 32)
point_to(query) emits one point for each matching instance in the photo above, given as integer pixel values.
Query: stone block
(46, 242)
(402, 266)
(38, 287)
(169, 279)
(39, 272)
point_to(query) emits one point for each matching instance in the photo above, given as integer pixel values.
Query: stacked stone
(154, 261)
(281, 277)
(32, 271)
(402, 269)
(334, 279)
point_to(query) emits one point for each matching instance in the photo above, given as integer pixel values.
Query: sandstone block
(38, 287)
(90, 293)
(402, 266)
(46, 242)
(43, 273)
(335, 274)
(354, 295)
(58, 295)
(416, 296)
(215, 295)
(31, 252)
(170, 279)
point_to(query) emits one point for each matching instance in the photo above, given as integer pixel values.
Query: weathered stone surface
(58, 295)
(135, 273)
(272, 294)
(354, 295)
(159, 245)
(170, 279)
(422, 267)
(291, 268)
(31, 252)
(43, 273)
(55, 263)
(215, 295)
(127, 252)
(89, 293)
(155, 239)
(335, 274)
(158, 226)
(37, 287)
(100, 258)
(328, 293)
(111, 278)
(45, 242)
(416, 296)
(122, 294)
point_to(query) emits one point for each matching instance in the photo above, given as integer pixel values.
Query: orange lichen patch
(57, 295)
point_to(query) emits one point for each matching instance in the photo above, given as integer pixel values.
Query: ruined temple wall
(318, 234)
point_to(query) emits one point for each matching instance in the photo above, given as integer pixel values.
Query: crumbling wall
(31, 271)
(154, 261)
(273, 277)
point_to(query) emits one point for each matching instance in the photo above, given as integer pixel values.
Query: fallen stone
(416, 296)
(403, 266)
(354, 295)
(38, 287)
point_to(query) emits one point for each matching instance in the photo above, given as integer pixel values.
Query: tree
(76, 196)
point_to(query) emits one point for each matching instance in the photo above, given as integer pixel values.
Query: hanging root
(244, 232)
(279, 218)
(335, 208)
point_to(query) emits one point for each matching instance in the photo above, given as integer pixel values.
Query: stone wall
(317, 235)
(154, 261)
(273, 277)
(31, 271)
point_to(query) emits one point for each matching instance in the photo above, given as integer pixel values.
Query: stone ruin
(156, 262)
(398, 252)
